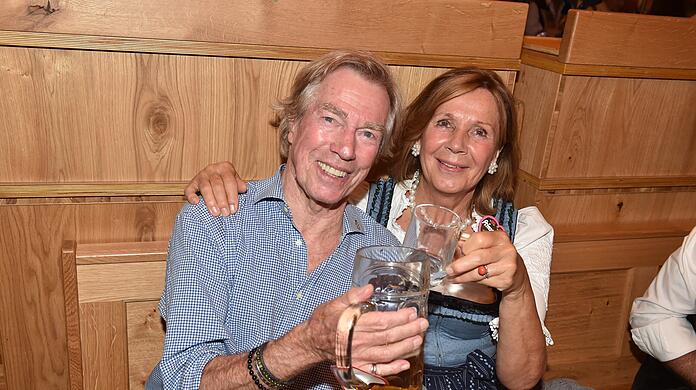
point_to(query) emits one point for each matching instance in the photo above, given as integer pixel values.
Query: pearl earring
(415, 149)
(493, 168)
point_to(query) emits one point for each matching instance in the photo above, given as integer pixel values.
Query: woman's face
(460, 142)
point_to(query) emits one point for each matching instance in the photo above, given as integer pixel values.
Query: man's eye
(329, 119)
(369, 135)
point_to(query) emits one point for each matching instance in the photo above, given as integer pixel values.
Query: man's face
(336, 142)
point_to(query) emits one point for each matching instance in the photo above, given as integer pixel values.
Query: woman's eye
(480, 132)
(444, 123)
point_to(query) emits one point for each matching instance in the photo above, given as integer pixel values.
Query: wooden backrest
(115, 333)
(113, 106)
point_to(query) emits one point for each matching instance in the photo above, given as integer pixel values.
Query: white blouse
(533, 241)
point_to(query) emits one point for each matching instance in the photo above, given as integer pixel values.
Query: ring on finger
(373, 369)
(483, 271)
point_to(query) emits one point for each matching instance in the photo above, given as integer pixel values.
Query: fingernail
(225, 212)
(417, 342)
(424, 324)
(413, 315)
(216, 211)
(404, 366)
(449, 270)
(233, 209)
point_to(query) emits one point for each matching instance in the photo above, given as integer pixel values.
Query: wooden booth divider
(608, 133)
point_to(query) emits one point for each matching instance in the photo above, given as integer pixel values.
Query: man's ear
(291, 130)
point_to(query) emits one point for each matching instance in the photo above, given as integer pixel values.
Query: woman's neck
(460, 203)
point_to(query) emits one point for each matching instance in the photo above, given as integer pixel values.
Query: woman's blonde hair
(454, 83)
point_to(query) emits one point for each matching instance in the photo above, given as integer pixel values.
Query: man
(252, 300)
(662, 322)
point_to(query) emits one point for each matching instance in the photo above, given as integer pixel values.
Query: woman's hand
(489, 258)
(219, 184)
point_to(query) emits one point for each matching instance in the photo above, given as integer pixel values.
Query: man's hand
(219, 184)
(384, 338)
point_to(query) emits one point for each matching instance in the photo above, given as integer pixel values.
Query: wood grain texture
(493, 29)
(72, 314)
(584, 315)
(622, 39)
(604, 124)
(585, 256)
(537, 91)
(164, 118)
(613, 208)
(544, 60)
(104, 349)
(122, 252)
(221, 49)
(145, 340)
(32, 315)
(120, 282)
(605, 374)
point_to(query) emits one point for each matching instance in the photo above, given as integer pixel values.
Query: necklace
(412, 189)
(411, 203)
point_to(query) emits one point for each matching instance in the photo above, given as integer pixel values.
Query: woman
(457, 148)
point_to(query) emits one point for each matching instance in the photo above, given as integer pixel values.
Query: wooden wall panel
(128, 221)
(492, 29)
(622, 127)
(584, 315)
(163, 117)
(623, 39)
(536, 91)
(145, 340)
(612, 207)
(120, 282)
(32, 316)
(104, 348)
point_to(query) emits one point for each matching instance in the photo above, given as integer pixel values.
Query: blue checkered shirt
(235, 282)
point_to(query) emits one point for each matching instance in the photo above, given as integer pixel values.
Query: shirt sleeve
(534, 242)
(658, 318)
(194, 301)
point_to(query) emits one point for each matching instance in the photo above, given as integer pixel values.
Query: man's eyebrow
(343, 115)
(334, 110)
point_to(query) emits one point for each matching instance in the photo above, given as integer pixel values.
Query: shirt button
(299, 295)
(298, 242)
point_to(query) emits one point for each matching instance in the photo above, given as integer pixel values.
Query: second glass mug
(401, 279)
(436, 230)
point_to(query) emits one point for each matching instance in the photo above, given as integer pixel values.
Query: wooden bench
(115, 333)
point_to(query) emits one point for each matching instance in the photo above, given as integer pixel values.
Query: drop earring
(493, 168)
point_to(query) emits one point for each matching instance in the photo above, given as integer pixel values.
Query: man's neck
(320, 225)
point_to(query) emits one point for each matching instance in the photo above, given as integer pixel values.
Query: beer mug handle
(349, 377)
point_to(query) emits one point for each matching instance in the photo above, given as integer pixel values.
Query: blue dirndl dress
(459, 350)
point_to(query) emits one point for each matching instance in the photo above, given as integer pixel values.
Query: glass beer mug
(401, 279)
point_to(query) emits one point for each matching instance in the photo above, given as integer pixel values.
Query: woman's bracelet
(263, 371)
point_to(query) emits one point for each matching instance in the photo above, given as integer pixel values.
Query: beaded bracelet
(266, 375)
(252, 353)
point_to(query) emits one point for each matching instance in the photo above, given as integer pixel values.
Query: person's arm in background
(658, 318)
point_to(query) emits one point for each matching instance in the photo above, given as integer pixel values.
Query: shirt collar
(272, 189)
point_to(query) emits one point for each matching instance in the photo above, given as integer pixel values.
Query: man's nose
(344, 145)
